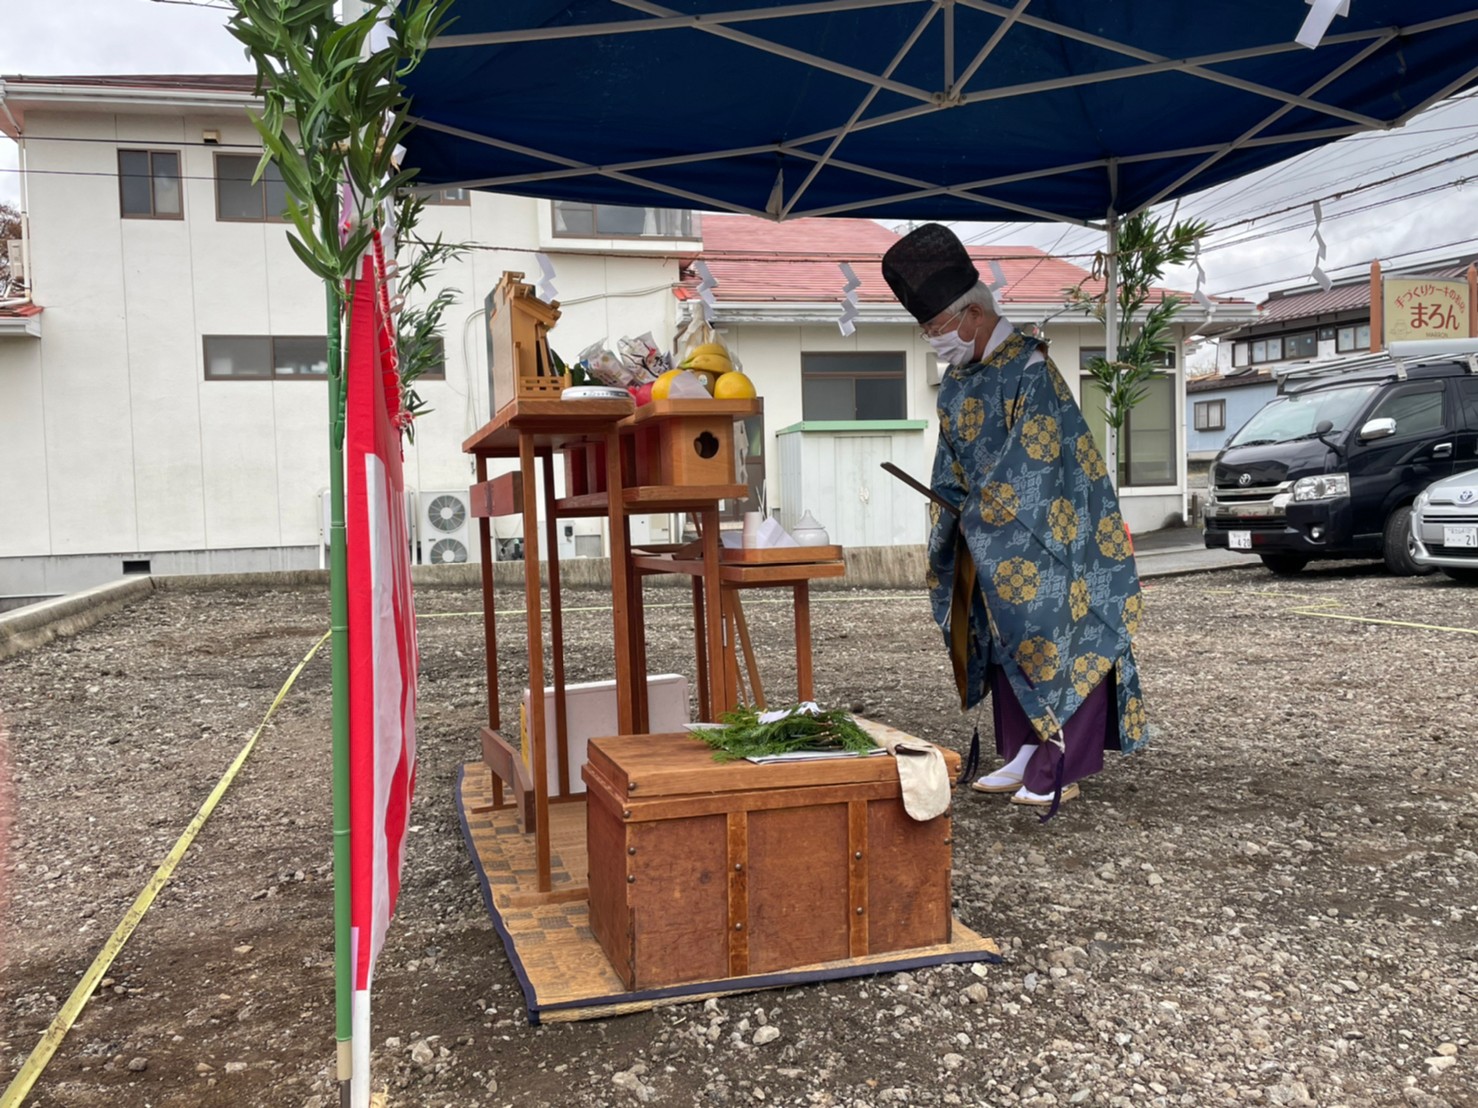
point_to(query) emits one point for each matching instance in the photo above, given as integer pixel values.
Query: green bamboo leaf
(309, 259)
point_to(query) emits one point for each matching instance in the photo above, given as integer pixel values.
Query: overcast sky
(1248, 260)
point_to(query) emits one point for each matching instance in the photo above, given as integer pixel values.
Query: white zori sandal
(1009, 777)
(1043, 800)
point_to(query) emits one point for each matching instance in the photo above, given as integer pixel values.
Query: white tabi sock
(1013, 772)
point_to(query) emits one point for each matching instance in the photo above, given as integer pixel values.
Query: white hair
(980, 294)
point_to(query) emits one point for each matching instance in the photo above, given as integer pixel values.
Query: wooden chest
(701, 870)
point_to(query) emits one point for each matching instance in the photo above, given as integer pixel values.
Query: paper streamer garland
(706, 284)
(1317, 273)
(547, 291)
(847, 322)
(1316, 23)
(1200, 296)
(997, 277)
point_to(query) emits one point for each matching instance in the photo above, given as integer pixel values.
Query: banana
(710, 363)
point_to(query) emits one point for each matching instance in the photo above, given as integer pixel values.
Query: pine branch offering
(805, 728)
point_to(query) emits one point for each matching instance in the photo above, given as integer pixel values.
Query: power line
(1352, 265)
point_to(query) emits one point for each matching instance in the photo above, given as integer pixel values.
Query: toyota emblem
(1245, 480)
(1465, 496)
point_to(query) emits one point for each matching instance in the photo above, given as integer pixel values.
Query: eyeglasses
(927, 333)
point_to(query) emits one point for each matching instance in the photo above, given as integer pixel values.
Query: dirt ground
(1275, 903)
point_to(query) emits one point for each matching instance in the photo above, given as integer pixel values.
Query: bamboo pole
(339, 644)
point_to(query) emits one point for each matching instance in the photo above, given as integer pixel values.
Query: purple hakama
(1086, 734)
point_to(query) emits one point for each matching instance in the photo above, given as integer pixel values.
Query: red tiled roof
(194, 82)
(756, 259)
(20, 311)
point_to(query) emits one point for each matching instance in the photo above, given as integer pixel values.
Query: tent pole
(1111, 336)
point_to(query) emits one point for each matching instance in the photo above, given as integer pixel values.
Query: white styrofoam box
(591, 714)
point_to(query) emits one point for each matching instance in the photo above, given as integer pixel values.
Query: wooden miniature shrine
(627, 871)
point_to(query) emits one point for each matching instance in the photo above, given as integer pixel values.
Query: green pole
(339, 625)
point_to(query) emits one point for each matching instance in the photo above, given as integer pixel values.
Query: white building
(837, 406)
(165, 411)
(162, 406)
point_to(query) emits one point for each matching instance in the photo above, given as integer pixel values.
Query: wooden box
(701, 870)
(685, 442)
(518, 343)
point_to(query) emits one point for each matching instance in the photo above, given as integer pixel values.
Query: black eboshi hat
(928, 270)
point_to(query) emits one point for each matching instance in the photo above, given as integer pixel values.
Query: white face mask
(952, 349)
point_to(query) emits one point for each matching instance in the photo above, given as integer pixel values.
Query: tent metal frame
(656, 18)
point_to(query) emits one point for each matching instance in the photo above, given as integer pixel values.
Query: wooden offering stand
(687, 871)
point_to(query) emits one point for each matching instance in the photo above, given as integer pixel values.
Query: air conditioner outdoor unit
(325, 519)
(445, 530)
(15, 250)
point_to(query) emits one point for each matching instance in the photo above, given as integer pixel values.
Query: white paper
(1316, 23)
(812, 755)
(771, 535)
(806, 708)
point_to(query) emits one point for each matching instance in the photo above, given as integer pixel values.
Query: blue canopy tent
(917, 109)
(1079, 111)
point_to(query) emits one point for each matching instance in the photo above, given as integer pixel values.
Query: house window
(854, 386)
(239, 199)
(149, 184)
(1241, 351)
(263, 358)
(1352, 337)
(461, 197)
(1305, 344)
(1211, 415)
(1147, 453)
(614, 221)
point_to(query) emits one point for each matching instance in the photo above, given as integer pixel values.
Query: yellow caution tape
(1323, 609)
(911, 598)
(26, 1077)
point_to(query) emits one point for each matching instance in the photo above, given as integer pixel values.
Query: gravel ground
(1276, 903)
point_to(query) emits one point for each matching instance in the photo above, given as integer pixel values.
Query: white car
(1444, 527)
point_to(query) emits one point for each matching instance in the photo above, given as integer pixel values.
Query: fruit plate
(594, 392)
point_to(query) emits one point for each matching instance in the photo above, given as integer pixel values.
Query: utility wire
(1352, 265)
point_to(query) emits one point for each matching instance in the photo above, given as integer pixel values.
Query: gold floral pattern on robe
(1037, 657)
(998, 503)
(1077, 599)
(1133, 610)
(971, 419)
(1134, 721)
(1039, 437)
(1089, 457)
(1088, 670)
(1113, 540)
(1017, 580)
(1062, 517)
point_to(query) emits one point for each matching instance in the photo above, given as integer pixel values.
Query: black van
(1330, 466)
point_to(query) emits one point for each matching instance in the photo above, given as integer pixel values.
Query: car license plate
(1239, 540)
(1460, 536)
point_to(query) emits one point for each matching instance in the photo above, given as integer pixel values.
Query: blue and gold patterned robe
(1038, 556)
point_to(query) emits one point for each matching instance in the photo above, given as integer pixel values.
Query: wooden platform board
(563, 971)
